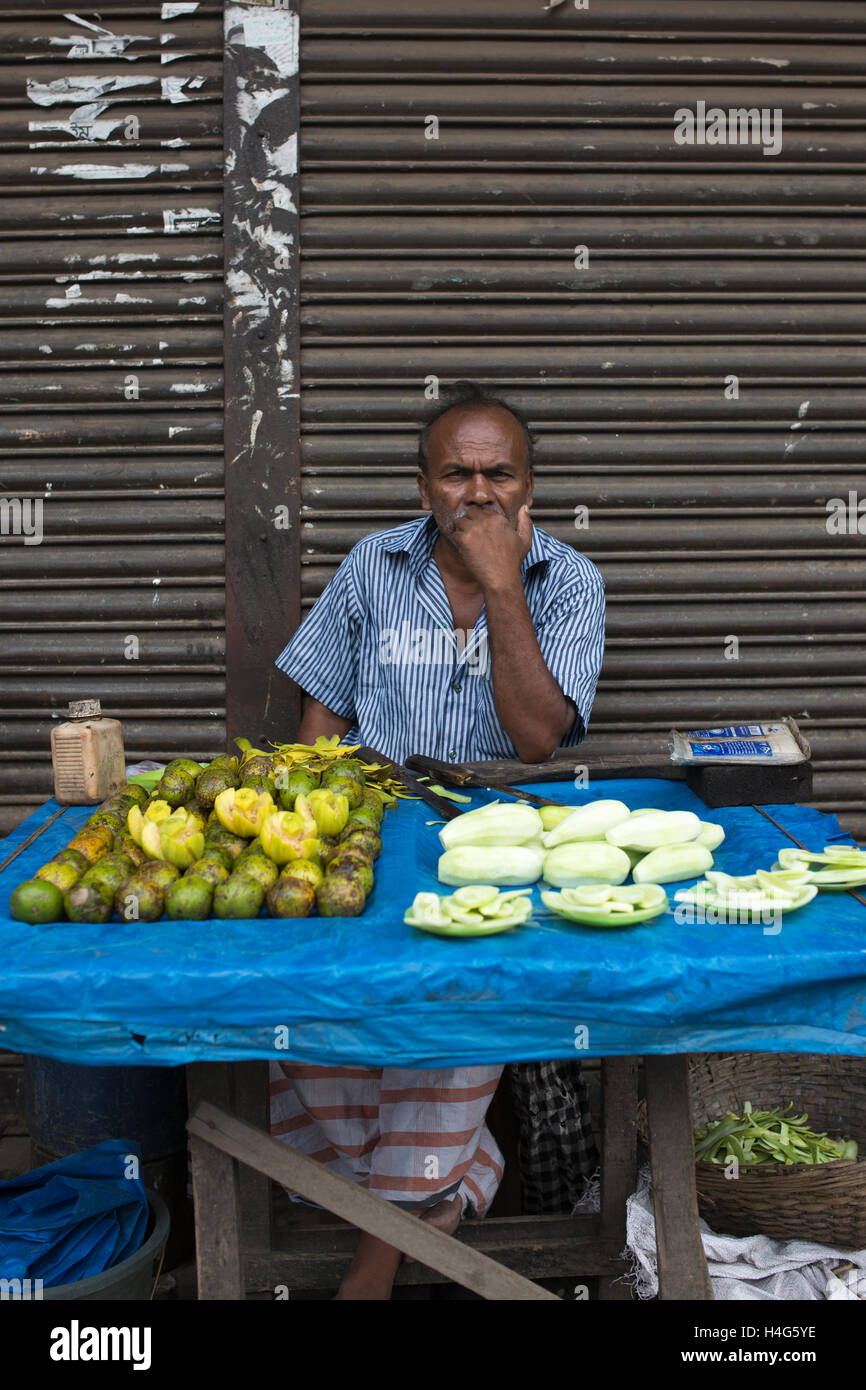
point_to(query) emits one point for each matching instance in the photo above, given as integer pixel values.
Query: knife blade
(446, 808)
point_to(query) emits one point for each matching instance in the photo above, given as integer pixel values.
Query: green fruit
(299, 781)
(36, 901)
(135, 792)
(90, 843)
(139, 900)
(73, 857)
(259, 868)
(224, 760)
(175, 786)
(215, 854)
(188, 765)
(350, 854)
(259, 765)
(328, 846)
(362, 818)
(63, 876)
(211, 782)
(158, 872)
(261, 784)
(361, 873)
(88, 902)
(291, 897)
(303, 871)
(346, 767)
(114, 823)
(132, 851)
(208, 870)
(217, 836)
(351, 789)
(110, 873)
(191, 898)
(366, 840)
(373, 802)
(239, 896)
(340, 896)
(251, 847)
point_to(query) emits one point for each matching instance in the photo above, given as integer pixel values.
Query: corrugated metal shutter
(112, 356)
(455, 256)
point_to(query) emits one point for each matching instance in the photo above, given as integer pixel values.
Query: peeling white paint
(254, 427)
(43, 347)
(193, 299)
(774, 62)
(99, 171)
(173, 87)
(284, 157)
(803, 408)
(121, 298)
(141, 231)
(275, 32)
(175, 144)
(178, 7)
(84, 123)
(81, 88)
(73, 291)
(188, 387)
(178, 429)
(188, 219)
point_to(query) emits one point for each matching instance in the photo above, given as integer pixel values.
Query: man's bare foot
(445, 1216)
(370, 1276)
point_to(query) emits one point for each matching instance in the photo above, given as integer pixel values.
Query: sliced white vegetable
(494, 864)
(570, 865)
(496, 824)
(651, 832)
(711, 835)
(588, 822)
(673, 863)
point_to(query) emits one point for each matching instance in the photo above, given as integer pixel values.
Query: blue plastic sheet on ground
(75, 1217)
(371, 991)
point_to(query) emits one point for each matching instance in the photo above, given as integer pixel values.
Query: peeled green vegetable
(648, 832)
(590, 822)
(499, 865)
(568, 865)
(552, 815)
(673, 863)
(711, 835)
(492, 825)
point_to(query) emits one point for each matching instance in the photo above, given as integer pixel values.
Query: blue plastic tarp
(371, 991)
(75, 1217)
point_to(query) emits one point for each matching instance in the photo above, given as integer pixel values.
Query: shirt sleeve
(323, 655)
(571, 640)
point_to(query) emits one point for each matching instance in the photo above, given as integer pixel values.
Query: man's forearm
(532, 709)
(318, 720)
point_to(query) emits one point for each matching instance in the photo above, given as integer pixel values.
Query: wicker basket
(825, 1202)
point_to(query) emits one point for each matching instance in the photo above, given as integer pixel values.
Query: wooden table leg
(215, 1191)
(618, 1160)
(682, 1265)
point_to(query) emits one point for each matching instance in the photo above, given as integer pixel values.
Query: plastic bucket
(135, 1277)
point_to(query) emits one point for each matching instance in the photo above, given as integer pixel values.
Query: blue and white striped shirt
(379, 646)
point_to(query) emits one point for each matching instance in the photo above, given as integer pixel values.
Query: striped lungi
(413, 1137)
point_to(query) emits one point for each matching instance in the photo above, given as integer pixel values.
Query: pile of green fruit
(221, 841)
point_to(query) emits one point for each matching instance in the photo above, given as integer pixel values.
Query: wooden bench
(234, 1161)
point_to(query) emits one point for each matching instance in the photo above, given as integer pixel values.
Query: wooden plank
(682, 1266)
(353, 1203)
(619, 1159)
(538, 1247)
(261, 370)
(215, 1193)
(560, 768)
(252, 1103)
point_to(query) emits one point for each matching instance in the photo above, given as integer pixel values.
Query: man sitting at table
(512, 623)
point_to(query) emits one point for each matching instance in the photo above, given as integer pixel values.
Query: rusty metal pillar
(261, 410)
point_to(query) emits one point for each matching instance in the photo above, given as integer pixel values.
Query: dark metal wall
(111, 365)
(455, 256)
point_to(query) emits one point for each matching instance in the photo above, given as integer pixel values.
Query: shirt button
(452, 753)
(456, 687)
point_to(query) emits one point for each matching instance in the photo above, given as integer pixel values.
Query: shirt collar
(418, 538)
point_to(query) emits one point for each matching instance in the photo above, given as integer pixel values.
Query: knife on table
(447, 809)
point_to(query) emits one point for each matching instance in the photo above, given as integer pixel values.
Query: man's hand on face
(489, 546)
